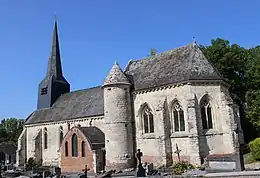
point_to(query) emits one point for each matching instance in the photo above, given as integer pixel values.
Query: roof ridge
(161, 53)
(84, 89)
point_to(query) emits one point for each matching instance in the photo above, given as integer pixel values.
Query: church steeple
(54, 64)
(54, 84)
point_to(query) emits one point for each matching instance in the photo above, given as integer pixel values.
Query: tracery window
(66, 149)
(61, 134)
(178, 117)
(148, 122)
(45, 140)
(206, 113)
(83, 153)
(74, 144)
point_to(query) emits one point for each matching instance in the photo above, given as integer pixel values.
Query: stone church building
(175, 98)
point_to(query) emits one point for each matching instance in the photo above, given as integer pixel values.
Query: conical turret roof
(116, 76)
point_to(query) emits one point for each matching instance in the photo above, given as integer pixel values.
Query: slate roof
(95, 136)
(116, 76)
(76, 104)
(173, 66)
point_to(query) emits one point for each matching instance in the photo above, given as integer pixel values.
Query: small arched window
(45, 135)
(206, 113)
(83, 151)
(74, 144)
(68, 126)
(178, 117)
(61, 134)
(147, 118)
(66, 149)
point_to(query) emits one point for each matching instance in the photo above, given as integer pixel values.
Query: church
(175, 99)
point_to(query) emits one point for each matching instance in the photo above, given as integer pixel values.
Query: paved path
(248, 174)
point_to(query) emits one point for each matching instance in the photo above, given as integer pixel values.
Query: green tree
(10, 129)
(253, 108)
(237, 66)
(253, 68)
(3, 135)
(230, 61)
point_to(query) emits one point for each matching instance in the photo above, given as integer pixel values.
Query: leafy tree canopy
(241, 68)
(10, 129)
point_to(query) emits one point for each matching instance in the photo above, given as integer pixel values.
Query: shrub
(181, 167)
(255, 148)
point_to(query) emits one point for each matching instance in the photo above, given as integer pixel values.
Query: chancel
(171, 98)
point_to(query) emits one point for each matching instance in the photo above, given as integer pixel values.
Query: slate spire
(54, 83)
(116, 76)
(54, 63)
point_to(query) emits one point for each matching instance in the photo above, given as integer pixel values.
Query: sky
(94, 34)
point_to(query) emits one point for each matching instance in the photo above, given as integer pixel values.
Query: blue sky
(94, 33)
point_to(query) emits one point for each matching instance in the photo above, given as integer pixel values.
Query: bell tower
(54, 84)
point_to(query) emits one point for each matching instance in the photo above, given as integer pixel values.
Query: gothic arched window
(45, 135)
(66, 149)
(178, 117)
(61, 134)
(148, 122)
(68, 126)
(83, 151)
(206, 113)
(74, 144)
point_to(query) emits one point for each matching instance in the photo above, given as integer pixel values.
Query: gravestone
(140, 170)
(57, 172)
(221, 162)
(149, 169)
(229, 162)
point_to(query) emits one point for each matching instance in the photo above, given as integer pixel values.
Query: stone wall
(194, 142)
(218, 140)
(158, 147)
(21, 152)
(38, 147)
(99, 160)
(50, 156)
(118, 124)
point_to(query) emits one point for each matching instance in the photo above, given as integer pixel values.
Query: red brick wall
(75, 164)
